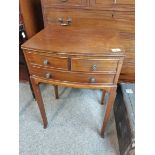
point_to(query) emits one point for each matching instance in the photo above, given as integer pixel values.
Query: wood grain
(116, 15)
(79, 35)
(72, 76)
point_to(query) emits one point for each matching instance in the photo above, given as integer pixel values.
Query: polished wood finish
(68, 76)
(83, 46)
(110, 102)
(64, 2)
(32, 20)
(32, 16)
(118, 15)
(78, 58)
(63, 40)
(47, 60)
(93, 65)
(39, 100)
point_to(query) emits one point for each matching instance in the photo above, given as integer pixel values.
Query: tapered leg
(39, 100)
(103, 95)
(110, 102)
(56, 91)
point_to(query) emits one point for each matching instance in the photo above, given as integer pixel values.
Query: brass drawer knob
(45, 62)
(48, 75)
(94, 67)
(92, 80)
(65, 23)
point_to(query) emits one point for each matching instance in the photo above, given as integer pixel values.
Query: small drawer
(76, 3)
(67, 76)
(93, 65)
(47, 60)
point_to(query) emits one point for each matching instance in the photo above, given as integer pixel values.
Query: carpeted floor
(74, 122)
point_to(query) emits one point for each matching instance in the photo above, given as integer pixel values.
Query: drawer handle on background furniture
(66, 23)
(92, 80)
(63, 0)
(48, 75)
(45, 62)
(94, 67)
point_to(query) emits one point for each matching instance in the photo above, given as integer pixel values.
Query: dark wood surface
(69, 76)
(32, 20)
(47, 60)
(32, 16)
(23, 75)
(89, 38)
(118, 15)
(79, 58)
(72, 41)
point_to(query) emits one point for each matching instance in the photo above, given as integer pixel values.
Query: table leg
(39, 100)
(112, 95)
(103, 95)
(56, 91)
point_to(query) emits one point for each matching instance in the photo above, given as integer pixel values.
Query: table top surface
(70, 40)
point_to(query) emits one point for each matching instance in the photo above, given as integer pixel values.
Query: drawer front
(67, 76)
(72, 17)
(93, 65)
(64, 3)
(47, 60)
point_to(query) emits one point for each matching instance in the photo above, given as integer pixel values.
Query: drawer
(94, 65)
(67, 76)
(47, 3)
(47, 60)
(77, 17)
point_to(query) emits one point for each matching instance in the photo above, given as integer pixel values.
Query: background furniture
(116, 15)
(30, 22)
(124, 111)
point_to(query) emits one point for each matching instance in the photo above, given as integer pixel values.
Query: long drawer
(90, 18)
(67, 76)
(94, 65)
(47, 60)
(77, 17)
(64, 3)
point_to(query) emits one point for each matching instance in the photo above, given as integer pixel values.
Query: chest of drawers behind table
(78, 58)
(118, 15)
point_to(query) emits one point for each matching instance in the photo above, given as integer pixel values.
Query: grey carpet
(74, 122)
